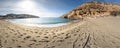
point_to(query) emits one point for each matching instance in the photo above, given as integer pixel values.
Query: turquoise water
(41, 21)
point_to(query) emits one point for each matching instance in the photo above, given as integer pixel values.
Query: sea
(41, 22)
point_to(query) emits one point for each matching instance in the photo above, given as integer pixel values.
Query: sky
(42, 8)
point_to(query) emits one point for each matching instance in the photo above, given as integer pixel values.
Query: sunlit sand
(102, 32)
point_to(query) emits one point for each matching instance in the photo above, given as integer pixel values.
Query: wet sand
(103, 32)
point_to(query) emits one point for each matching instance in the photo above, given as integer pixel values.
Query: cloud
(30, 8)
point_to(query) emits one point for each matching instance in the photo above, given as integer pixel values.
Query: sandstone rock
(92, 9)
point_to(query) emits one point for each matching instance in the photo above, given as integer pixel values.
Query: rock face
(92, 9)
(14, 16)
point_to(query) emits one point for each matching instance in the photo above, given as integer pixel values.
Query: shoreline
(38, 23)
(45, 25)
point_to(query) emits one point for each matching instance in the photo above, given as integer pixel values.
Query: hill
(14, 16)
(93, 9)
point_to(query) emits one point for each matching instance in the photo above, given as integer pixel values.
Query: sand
(102, 32)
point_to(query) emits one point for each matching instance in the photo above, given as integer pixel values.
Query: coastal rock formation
(92, 9)
(14, 16)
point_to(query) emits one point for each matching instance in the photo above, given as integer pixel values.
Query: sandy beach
(102, 32)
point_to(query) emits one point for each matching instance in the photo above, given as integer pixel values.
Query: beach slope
(103, 32)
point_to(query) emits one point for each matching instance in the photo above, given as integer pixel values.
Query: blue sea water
(44, 21)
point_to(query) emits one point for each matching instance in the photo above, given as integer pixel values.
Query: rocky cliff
(93, 9)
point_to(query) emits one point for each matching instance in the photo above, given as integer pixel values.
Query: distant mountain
(18, 16)
(93, 9)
